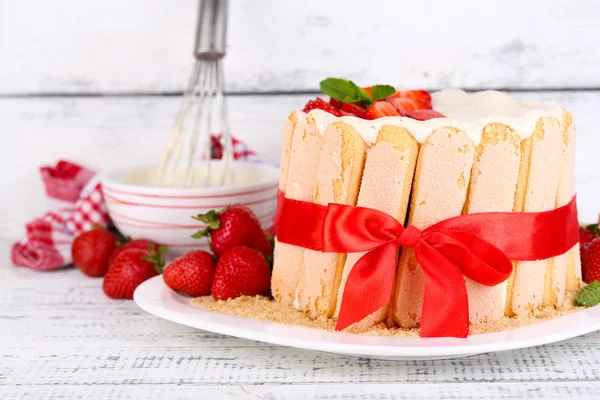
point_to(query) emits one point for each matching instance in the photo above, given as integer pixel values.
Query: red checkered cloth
(240, 150)
(47, 244)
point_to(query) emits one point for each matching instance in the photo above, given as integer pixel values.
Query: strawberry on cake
(422, 159)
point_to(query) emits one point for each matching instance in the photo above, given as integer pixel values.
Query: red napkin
(47, 244)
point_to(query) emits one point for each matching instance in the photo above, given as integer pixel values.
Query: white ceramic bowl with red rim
(165, 215)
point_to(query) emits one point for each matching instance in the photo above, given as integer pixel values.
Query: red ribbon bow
(478, 246)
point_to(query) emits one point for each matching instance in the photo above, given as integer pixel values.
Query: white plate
(156, 298)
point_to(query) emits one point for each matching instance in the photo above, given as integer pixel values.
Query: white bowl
(164, 214)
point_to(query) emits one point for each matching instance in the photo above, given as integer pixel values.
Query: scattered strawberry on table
(130, 268)
(241, 271)
(589, 248)
(240, 266)
(235, 225)
(92, 250)
(377, 101)
(192, 273)
(143, 244)
(586, 236)
(242, 251)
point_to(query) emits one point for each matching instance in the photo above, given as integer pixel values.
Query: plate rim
(151, 294)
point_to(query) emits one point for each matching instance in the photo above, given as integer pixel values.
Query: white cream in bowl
(140, 209)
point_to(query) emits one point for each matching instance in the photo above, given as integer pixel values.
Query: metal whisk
(202, 99)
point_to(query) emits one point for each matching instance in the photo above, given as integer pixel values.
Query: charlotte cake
(476, 153)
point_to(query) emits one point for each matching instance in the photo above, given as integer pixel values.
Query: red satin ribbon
(478, 246)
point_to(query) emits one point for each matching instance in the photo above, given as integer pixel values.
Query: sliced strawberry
(368, 90)
(353, 109)
(422, 95)
(381, 109)
(424, 115)
(321, 104)
(404, 105)
(336, 103)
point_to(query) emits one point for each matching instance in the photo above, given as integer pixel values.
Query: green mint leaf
(345, 91)
(589, 296)
(365, 97)
(380, 92)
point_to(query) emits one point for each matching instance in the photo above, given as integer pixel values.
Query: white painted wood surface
(108, 133)
(145, 46)
(60, 337)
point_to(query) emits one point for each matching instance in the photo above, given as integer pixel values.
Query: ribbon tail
(369, 285)
(445, 303)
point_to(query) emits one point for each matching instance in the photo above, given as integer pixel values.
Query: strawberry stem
(156, 258)
(211, 218)
(201, 233)
(594, 228)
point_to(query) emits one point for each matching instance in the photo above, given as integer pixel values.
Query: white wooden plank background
(65, 339)
(60, 337)
(103, 133)
(145, 46)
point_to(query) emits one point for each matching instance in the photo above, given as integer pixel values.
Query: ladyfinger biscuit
(536, 191)
(439, 192)
(566, 189)
(492, 188)
(565, 273)
(286, 147)
(338, 180)
(385, 186)
(300, 183)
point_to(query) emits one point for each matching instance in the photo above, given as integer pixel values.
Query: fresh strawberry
(144, 244)
(270, 231)
(241, 271)
(91, 251)
(368, 90)
(235, 225)
(321, 104)
(585, 238)
(590, 264)
(129, 269)
(354, 109)
(336, 103)
(192, 273)
(420, 95)
(380, 109)
(424, 115)
(404, 105)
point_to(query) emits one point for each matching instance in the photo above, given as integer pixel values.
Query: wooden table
(60, 337)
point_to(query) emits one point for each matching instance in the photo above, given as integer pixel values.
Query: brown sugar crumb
(265, 309)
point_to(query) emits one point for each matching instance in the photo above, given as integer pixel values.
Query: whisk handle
(211, 31)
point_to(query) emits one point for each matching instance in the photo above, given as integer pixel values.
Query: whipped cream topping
(467, 112)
